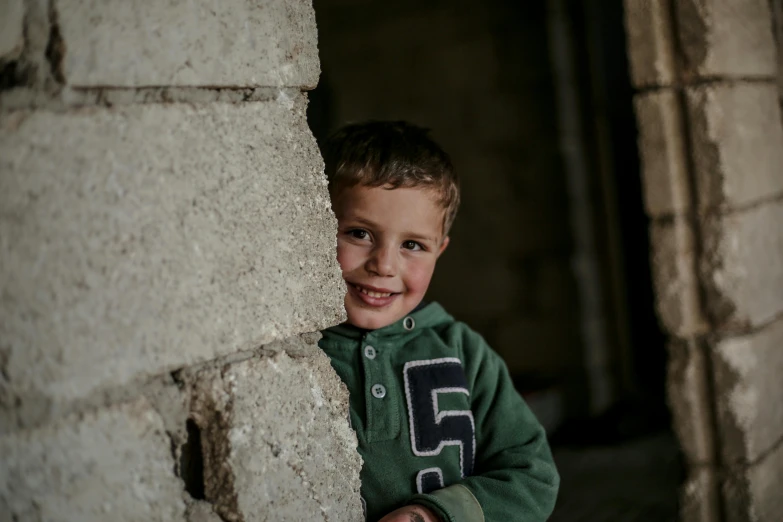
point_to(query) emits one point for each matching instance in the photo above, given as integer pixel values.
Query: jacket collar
(425, 317)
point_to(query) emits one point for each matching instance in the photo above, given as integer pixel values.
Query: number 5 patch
(432, 429)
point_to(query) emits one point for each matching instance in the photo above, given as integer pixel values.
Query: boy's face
(387, 245)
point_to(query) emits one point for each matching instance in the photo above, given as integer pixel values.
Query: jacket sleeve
(514, 477)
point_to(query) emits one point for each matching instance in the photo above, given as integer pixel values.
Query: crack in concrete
(55, 47)
(65, 97)
(767, 452)
(214, 422)
(14, 403)
(299, 471)
(706, 81)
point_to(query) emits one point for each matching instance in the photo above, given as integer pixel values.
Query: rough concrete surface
(663, 157)
(201, 511)
(241, 43)
(741, 265)
(11, 29)
(648, 27)
(113, 464)
(700, 496)
(726, 37)
(145, 238)
(753, 493)
(674, 277)
(283, 418)
(690, 400)
(749, 387)
(737, 139)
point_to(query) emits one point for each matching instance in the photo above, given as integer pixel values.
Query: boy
(443, 434)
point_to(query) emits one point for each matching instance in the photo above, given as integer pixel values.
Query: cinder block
(276, 438)
(11, 29)
(231, 43)
(675, 279)
(140, 239)
(648, 26)
(742, 266)
(690, 400)
(114, 464)
(748, 385)
(726, 37)
(737, 139)
(753, 494)
(663, 157)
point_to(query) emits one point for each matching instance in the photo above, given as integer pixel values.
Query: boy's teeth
(373, 294)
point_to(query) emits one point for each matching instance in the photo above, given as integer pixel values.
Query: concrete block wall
(711, 136)
(167, 258)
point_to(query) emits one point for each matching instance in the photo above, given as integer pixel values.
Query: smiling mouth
(372, 293)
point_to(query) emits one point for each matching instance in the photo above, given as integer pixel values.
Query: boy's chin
(370, 321)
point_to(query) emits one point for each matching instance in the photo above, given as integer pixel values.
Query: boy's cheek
(419, 278)
(346, 257)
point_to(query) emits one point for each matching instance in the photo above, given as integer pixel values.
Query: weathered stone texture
(236, 43)
(742, 268)
(726, 37)
(11, 29)
(753, 494)
(699, 498)
(748, 381)
(648, 26)
(674, 277)
(145, 238)
(276, 440)
(688, 392)
(113, 464)
(737, 139)
(662, 148)
(201, 511)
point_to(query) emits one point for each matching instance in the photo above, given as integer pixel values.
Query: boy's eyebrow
(364, 221)
(413, 235)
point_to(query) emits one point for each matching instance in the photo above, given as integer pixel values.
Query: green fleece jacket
(439, 422)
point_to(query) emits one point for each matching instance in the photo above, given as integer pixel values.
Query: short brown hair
(391, 154)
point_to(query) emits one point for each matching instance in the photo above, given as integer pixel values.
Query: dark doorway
(485, 77)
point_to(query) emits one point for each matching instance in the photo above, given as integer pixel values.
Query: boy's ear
(443, 245)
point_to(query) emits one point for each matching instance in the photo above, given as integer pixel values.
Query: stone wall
(167, 258)
(711, 140)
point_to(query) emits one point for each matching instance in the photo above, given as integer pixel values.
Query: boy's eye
(411, 245)
(358, 233)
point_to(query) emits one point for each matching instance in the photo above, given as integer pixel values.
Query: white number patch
(431, 429)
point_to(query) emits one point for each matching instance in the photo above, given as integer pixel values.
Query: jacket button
(378, 391)
(369, 352)
(408, 323)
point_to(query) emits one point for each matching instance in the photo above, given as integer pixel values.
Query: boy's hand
(412, 513)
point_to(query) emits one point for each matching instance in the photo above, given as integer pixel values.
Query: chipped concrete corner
(167, 251)
(241, 441)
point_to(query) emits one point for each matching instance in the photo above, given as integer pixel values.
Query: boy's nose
(383, 261)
